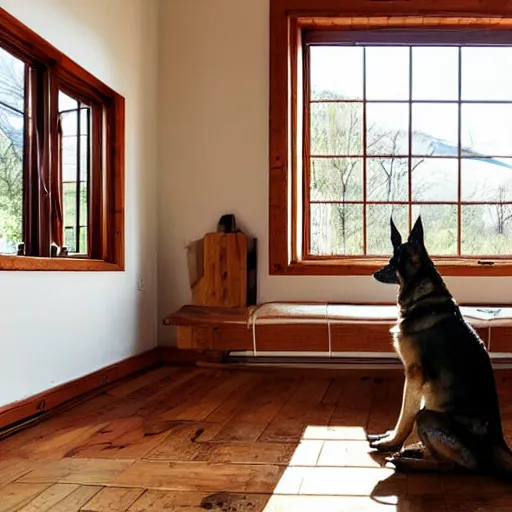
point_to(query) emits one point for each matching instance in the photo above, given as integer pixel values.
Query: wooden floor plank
(121, 438)
(353, 406)
(16, 495)
(77, 471)
(55, 445)
(188, 383)
(143, 401)
(208, 398)
(237, 401)
(135, 443)
(333, 393)
(304, 408)
(129, 386)
(75, 501)
(113, 499)
(13, 468)
(200, 476)
(172, 501)
(253, 453)
(258, 410)
(49, 498)
(185, 441)
(51, 441)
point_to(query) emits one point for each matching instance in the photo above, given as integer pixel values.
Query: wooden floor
(188, 440)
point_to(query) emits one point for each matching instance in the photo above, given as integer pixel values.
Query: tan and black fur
(449, 392)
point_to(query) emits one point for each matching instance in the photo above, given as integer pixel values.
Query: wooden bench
(316, 327)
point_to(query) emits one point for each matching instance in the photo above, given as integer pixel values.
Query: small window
(61, 160)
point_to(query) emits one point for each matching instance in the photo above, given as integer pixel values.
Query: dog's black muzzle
(386, 275)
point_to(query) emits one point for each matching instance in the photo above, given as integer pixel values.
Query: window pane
(435, 179)
(487, 129)
(388, 129)
(69, 123)
(387, 179)
(12, 81)
(69, 152)
(440, 226)
(336, 129)
(66, 102)
(83, 240)
(336, 72)
(69, 238)
(69, 155)
(486, 179)
(84, 161)
(336, 229)
(435, 128)
(12, 92)
(84, 120)
(387, 73)
(378, 226)
(486, 73)
(486, 230)
(435, 73)
(336, 179)
(83, 204)
(69, 192)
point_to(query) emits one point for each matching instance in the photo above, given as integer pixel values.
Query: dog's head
(407, 257)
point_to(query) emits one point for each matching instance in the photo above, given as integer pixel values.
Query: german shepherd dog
(449, 392)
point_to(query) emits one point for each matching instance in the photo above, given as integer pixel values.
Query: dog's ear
(416, 235)
(396, 237)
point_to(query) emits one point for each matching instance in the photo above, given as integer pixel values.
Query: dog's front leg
(411, 402)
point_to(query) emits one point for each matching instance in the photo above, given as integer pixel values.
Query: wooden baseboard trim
(90, 384)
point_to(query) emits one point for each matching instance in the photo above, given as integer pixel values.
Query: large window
(402, 130)
(397, 119)
(61, 160)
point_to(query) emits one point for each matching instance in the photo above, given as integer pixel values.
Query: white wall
(59, 326)
(214, 152)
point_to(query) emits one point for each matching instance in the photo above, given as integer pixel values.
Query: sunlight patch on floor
(333, 470)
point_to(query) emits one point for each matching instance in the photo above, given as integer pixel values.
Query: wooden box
(222, 270)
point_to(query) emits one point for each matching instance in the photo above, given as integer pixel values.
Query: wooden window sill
(27, 263)
(366, 267)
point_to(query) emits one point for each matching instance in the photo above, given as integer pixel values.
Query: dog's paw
(385, 442)
(375, 437)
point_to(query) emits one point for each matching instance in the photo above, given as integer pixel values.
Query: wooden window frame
(288, 19)
(52, 71)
